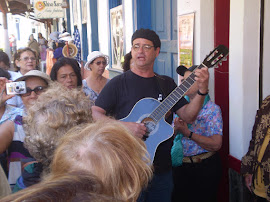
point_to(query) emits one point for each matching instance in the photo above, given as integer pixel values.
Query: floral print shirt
(89, 91)
(208, 123)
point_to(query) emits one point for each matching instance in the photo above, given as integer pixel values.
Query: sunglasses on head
(38, 90)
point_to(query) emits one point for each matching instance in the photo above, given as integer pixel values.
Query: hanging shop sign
(185, 39)
(48, 9)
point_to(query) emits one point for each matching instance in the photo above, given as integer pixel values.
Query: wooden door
(164, 23)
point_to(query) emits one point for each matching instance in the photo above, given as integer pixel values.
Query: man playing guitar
(120, 95)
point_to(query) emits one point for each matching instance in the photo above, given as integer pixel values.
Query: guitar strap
(163, 88)
(159, 85)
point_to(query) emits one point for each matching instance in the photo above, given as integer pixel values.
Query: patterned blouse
(208, 123)
(88, 91)
(10, 113)
(249, 163)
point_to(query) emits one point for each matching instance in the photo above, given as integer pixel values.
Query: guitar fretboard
(173, 97)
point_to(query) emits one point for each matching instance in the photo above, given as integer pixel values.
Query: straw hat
(92, 56)
(72, 49)
(35, 73)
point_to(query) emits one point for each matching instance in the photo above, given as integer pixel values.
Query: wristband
(202, 94)
(190, 135)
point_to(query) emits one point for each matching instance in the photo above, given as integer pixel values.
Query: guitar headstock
(218, 55)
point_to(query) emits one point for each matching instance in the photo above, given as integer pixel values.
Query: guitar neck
(174, 97)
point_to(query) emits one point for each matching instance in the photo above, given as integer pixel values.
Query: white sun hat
(92, 56)
(35, 73)
(54, 36)
(65, 37)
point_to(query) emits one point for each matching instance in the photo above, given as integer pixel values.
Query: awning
(15, 6)
(20, 7)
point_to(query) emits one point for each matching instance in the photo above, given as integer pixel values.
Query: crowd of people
(66, 137)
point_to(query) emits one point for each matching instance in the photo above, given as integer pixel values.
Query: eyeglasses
(27, 58)
(38, 90)
(99, 62)
(145, 47)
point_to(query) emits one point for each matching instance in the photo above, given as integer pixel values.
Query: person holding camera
(7, 112)
(11, 132)
(27, 61)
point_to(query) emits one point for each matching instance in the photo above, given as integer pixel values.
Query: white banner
(48, 9)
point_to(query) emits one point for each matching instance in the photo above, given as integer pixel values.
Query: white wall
(60, 27)
(25, 29)
(4, 43)
(79, 25)
(89, 29)
(244, 72)
(203, 30)
(71, 16)
(128, 20)
(103, 26)
(266, 50)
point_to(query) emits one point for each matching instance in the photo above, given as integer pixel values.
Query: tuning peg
(225, 59)
(220, 63)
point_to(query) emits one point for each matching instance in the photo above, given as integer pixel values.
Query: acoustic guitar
(152, 113)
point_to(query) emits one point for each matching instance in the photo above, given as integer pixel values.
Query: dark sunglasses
(99, 62)
(38, 90)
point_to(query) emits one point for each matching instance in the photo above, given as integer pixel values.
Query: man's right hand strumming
(137, 129)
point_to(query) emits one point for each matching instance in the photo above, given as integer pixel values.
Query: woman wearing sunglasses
(11, 132)
(95, 81)
(26, 60)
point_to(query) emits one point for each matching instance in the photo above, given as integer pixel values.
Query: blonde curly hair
(53, 114)
(108, 150)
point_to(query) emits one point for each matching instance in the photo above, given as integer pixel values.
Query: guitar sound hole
(150, 125)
